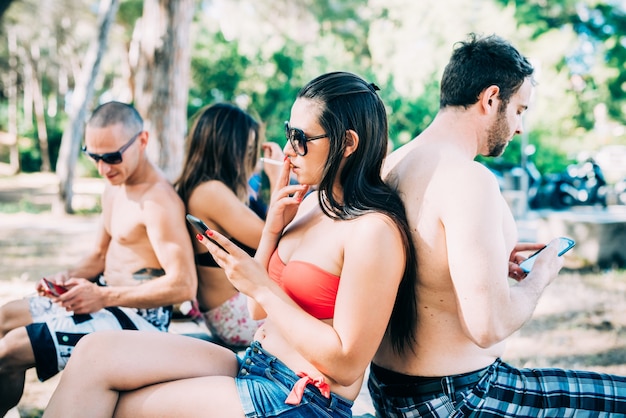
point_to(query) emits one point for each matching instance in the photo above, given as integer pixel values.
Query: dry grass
(580, 323)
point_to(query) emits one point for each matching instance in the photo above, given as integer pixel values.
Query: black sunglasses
(298, 139)
(112, 157)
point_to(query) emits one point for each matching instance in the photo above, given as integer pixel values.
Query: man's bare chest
(125, 222)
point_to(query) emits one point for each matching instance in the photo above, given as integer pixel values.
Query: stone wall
(600, 235)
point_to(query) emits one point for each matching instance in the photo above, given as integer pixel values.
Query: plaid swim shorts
(504, 391)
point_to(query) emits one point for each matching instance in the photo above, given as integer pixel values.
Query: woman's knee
(93, 346)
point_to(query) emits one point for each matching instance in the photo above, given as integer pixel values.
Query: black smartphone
(201, 227)
(198, 224)
(565, 244)
(52, 288)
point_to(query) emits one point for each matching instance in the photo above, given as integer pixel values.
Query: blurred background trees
(171, 58)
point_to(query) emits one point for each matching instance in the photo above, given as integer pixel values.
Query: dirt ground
(580, 321)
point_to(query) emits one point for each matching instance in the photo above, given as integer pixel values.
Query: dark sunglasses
(112, 157)
(298, 139)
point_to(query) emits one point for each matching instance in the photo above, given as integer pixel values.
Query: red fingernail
(286, 158)
(209, 232)
(199, 237)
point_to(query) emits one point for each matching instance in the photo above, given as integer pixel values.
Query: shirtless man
(466, 243)
(142, 235)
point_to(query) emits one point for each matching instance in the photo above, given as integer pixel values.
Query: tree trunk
(27, 74)
(40, 111)
(162, 78)
(83, 92)
(11, 85)
(4, 5)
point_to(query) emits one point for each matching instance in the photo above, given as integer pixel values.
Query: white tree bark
(162, 53)
(83, 92)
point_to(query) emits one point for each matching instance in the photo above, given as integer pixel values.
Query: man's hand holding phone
(50, 288)
(565, 244)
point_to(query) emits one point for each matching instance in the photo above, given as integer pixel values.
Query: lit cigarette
(270, 161)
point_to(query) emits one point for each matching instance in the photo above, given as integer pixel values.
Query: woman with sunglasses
(221, 156)
(333, 273)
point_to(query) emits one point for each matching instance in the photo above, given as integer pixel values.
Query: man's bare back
(471, 292)
(424, 172)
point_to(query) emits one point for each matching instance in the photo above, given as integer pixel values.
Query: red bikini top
(313, 289)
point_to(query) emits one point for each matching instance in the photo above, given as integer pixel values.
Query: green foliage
(342, 21)
(29, 149)
(546, 157)
(128, 12)
(221, 73)
(601, 44)
(408, 118)
(217, 69)
(24, 206)
(259, 53)
(274, 102)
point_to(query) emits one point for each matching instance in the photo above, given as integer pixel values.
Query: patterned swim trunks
(231, 322)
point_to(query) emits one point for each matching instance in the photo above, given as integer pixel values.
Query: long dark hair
(347, 102)
(218, 148)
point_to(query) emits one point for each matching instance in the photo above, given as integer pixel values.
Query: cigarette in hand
(270, 161)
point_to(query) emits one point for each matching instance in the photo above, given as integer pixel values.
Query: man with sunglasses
(141, 264)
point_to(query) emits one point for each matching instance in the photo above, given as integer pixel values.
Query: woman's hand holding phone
(243, 271)
(200, 227)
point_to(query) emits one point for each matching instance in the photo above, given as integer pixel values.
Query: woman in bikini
(222, 154)
(333, 273)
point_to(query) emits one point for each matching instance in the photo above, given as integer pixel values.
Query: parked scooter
(580, 184)
(619, 189)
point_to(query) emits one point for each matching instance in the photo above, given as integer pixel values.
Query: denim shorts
(264, 382)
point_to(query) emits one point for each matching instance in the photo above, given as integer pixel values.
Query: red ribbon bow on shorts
(295, 396)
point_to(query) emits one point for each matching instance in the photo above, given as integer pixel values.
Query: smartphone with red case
(53, 288)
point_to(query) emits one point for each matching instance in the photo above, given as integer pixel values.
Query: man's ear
(143, 139)
(490, 99)
(352, 142)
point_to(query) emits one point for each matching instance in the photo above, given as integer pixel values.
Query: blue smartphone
(565, 244)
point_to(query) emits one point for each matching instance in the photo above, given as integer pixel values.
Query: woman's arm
(372, 269)
(221, 209)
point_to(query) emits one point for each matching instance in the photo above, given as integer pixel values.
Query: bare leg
(14, 314)
(11, 390)
(214, 396)
(107, 362)
(16, 356)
